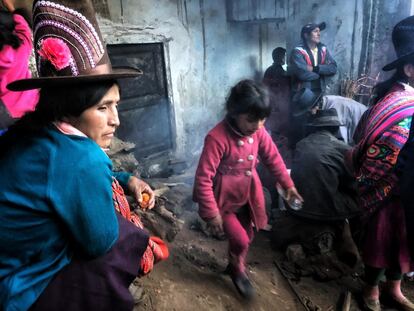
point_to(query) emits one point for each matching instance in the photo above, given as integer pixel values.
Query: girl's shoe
(228, 270)
(243, 285)
(370, 304)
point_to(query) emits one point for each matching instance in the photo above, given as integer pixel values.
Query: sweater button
(248, 173)
(240, 143)
(250, 140)
(240, 160)
(250, 157)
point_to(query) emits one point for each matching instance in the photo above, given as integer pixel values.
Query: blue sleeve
(329, 67)
(122, 178)
(80, 190)
(298, 67)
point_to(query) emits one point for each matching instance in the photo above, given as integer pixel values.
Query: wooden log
(347, 301)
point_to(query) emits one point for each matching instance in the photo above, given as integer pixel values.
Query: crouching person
(227, 186)
(328, 189)
(66, 241)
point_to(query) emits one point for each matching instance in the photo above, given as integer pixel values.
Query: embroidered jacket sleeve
(271, 157)
(298, 66)
(211, 156)
(329, 67)
(81, 193)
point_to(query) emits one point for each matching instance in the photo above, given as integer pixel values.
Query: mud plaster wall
(358, 32)
(380, 18)
(343, 35)
(205, 55)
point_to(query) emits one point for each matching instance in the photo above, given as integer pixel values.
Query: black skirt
(101, 283)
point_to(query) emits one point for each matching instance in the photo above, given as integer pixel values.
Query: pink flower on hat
(55, 51)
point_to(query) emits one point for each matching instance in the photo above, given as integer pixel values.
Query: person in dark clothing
(303, 101)
(276, 69)
(405, 172)
(278, 84)
(329, 189)
(318, 169)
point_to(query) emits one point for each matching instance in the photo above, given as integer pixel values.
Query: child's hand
(293, 194)
(215, 225)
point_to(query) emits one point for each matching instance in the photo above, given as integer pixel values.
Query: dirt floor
(193, 279)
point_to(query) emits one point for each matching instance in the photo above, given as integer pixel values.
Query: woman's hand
(215, 225)
(293, 194)
(137, 188)
(9, 5)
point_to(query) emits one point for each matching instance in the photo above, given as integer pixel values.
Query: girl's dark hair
(55, 103)
(382, 88)
(248, 97)
(7, 35)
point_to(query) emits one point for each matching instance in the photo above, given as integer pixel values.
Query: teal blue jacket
(55, 199)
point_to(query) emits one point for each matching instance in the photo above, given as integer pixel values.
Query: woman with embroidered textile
(380, 135)
(68, 240)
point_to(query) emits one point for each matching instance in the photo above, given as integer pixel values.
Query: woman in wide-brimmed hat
(380, 135)
(68, 240)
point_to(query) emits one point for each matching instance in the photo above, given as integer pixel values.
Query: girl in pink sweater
(15, 49)
(227, 186)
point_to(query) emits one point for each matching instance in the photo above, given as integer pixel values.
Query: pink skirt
(385, 243)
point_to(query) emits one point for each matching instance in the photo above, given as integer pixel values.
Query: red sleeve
(206, 171)
(271, 157)
(23, 30)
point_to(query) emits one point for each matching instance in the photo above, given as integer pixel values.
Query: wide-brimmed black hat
(403, 41)
(68, 47)
(311, 26)
(304, 100)
(328, 117)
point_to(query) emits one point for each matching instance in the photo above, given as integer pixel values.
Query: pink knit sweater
(14, 65)
(226, 177)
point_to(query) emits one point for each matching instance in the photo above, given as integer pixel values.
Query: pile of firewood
(357, 88)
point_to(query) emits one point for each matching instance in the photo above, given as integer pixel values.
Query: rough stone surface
(123, 159)
(294, 252)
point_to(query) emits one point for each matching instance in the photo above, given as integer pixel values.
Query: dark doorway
(145, 115)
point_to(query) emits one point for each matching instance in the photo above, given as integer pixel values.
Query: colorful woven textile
(397, 105)
(382, 132)
(157, 250)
